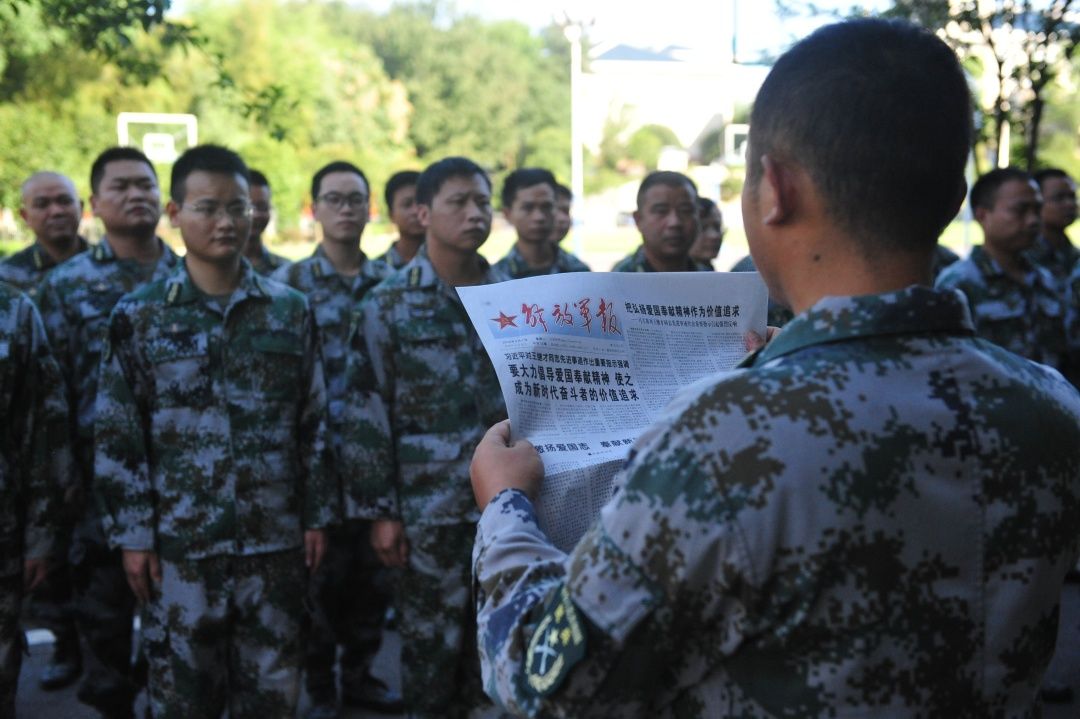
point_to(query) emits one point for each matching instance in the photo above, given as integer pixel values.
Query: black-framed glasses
(336, 200)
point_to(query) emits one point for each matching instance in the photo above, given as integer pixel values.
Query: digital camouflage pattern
(1072, 323)
(874, 518)
(224, 633)
(35, 467)
(1059, 262)
(513, 266)
(268, 262)
(423, 392)
(334, 300)
(211, 421)
(1027, 317)
(392, 258)
(28, 267)
(777, 315)
(636, 262)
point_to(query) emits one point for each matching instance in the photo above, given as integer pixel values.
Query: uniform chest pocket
(181, 368)
(277, 366)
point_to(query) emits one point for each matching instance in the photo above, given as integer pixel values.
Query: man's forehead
(540, 190)
(473, 184)
(48, 184)
(680, 192)
(201, 184)
(343, 181)
(1018, 190)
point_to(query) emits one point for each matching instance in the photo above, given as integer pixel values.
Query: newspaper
(587, 361)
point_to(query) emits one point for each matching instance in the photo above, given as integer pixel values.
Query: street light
(573, 30)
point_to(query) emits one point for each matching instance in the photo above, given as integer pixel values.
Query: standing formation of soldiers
(263, 457)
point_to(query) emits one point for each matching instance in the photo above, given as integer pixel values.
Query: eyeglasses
(213, 210)
(337, 201)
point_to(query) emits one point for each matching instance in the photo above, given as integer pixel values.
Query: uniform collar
(1033, 274)
(180, 290)
(421, 273)
(103, 252)
(915, 310)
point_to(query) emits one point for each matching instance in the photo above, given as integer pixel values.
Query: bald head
(51, 209)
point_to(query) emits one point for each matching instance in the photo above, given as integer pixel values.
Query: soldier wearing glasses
(346, 596)
(210, 459)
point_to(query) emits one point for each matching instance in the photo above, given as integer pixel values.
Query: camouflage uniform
(778, 315)
(75, 302)
(210, 451)
(268, 262)
(35, 467)
(393, 258)
(943, 257)
(1059, 262)
(1027, 317)
(429, 394)
(28, 267)
(862, 523)
(1072, 323)
(514, 266)
(348, 595)
(637, 263)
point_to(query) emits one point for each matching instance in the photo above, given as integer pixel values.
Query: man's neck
(456, 268)
(254, 248)
(346, 257)
(1011, 263)
(143, 248)
(667, 264)
(407, 246)
(537, 255)
(214, 278)
(1057, 238)
(62, 248)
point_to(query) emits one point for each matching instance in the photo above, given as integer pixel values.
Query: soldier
(710, 233)
(564, 200)
(52, 210)
(427, 391)
(348, 598)
(778, 315)
(667, 218)
(75, 302)
(528, 201)
(210, 459)
(35, 472)
(1014, 302)
(401, 204)
(263, 260)
(873, 516)
(1053, 249)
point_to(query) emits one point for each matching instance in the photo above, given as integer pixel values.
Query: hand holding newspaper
(587, 361)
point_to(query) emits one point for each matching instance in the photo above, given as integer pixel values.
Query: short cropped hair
(984, 191)
(435, 176)
(204, 158)
(115, 154)
(705, 206)
(257, 179)
(1050, 173)
(562, 192)
(336, 166)
(887, 149)
(664, 177)
(522, 178)
(397, 181)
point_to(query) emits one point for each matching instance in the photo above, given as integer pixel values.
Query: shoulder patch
(556, 646)
(414, 276)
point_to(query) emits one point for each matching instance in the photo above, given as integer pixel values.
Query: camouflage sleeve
(122, 483)
(365, 448)
(47, 452)
(322, 499)
(58, 329)
(610, 630)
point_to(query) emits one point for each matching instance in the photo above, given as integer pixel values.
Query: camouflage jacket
(35, 459)
(873, 519)
(1058, 262)
(211, 423)
(778, 315)
(268, 262)
(392, 257)
(333, 299)
(425, 392)
(637, 263)
(1072, 323)
(75, 301)
(514, 266)
(28, 267)
(1027, 317)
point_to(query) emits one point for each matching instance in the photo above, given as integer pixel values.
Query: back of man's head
(878, 114)
(984, 191)
(336, 166)
(436, 174)
(523, 178)
(204, 158)
(115, 154)
(664, 177)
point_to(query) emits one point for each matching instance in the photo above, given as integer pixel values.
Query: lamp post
(573, 32)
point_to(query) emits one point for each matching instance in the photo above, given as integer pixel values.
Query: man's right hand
(143, 573)
(389, 542)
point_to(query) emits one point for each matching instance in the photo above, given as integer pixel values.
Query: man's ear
(172, 210)
(777, 191)
(423, 214)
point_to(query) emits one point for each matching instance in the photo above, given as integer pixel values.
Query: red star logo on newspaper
(505, 321)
